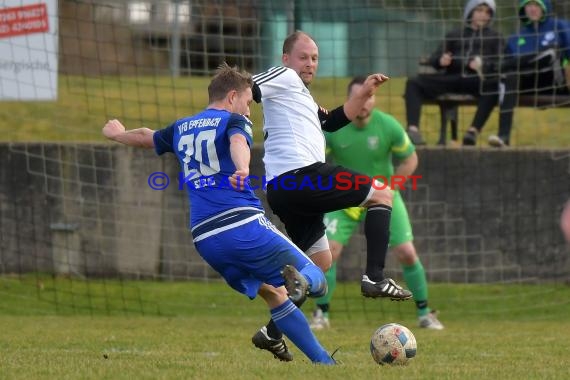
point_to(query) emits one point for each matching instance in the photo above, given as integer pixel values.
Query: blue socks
(294, 325)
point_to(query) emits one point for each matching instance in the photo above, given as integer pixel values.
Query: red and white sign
(23, 20)
(28, 50)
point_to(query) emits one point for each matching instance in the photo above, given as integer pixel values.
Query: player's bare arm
(140, 137)
(354, 103)
(408, 166)
(405, 169)
(239, 150)
(339, 117)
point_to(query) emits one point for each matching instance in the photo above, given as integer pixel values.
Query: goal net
(89, 226)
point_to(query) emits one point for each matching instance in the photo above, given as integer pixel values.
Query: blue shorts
(251, 254)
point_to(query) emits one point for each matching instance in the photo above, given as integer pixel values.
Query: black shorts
(301, 197)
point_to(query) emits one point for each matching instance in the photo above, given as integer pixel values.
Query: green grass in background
(84, 104)
(203, 331)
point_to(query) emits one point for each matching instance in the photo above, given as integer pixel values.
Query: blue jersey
(202, 145)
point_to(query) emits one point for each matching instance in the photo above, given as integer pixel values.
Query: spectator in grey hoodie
(467, 63)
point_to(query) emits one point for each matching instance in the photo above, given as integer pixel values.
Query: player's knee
(322, 260)
(406, 253)
(336, 250)
(320, 253)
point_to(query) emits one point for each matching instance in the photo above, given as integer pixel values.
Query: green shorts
(340, 226)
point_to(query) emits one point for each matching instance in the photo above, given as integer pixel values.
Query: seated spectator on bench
(534, 61)
(467, 63)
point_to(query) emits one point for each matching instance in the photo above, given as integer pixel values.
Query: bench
(449, 103)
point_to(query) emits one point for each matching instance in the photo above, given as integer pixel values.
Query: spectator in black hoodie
(467, 63)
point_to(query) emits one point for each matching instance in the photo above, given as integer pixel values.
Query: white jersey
(291, 126)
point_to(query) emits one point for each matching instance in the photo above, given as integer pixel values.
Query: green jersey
(369, 150)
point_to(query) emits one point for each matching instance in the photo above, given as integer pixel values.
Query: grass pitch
(203, 331)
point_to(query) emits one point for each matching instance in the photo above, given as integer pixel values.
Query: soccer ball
(393, 344)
